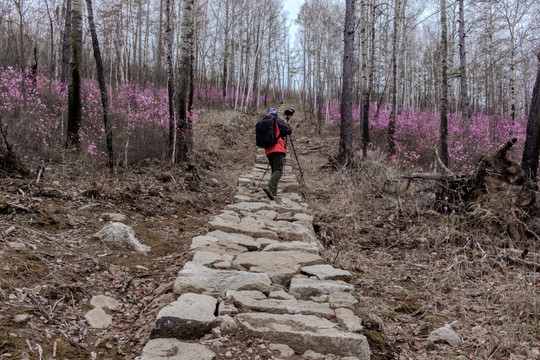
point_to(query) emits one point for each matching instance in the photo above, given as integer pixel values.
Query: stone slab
(303, 289)
(207, 258)
(190, 317)
(223, 248)
(327, 272)
(348, 320)
(340, 299)
(174, 349)
(280, 266)
(202, 240)
(311, 248)
(238, 239)
(277, 258)
(256, 301)
(196, 278)
(305, 332)
(231, 224)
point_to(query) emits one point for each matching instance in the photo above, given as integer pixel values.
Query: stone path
(258, 270)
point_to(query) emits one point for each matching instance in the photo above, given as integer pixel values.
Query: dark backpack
(265, 132)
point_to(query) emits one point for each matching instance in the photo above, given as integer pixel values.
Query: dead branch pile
(497, 197)
(10, 164)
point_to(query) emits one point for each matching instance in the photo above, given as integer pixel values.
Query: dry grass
(414, 268)
(419, 269)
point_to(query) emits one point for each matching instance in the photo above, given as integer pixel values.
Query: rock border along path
(259, 270)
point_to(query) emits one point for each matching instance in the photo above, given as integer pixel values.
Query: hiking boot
(269, 192)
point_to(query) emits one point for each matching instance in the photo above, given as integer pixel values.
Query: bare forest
(417, 141)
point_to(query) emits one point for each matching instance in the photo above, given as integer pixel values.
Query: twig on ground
(74, 343)
(126, 285)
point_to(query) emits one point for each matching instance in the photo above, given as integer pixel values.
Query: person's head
(273, 111)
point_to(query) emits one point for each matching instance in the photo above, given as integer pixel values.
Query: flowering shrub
(35, 118)
(417, 135)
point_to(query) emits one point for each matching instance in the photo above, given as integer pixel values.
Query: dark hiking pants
(276, 161)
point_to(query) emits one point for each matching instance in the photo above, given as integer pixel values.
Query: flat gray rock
(118, 233)
(290, 231)
(174, 349)
(202, 240)
(223, 248)
(280, 266)
(189, 317)
(303, 289)
(340, 299)
(97, 318)
(242, 198)
(196, 278)
(348, 320)
(105, 302)
(256, 301)
(251, 206)
(311, 248)
(238, 239)
(207, 258)
(305, 332)
(446, 335)
(277, 258)
(265, 242)
(327, 272)
(246, 226)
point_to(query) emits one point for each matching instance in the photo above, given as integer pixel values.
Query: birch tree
(443, 127)
(170, 79)
(393, 111)
(102, 85)
(463, 67)
(345, 155)
(74, 80)
(184, 130)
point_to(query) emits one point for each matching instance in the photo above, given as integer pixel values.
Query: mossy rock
(408, 308)
(376, 341)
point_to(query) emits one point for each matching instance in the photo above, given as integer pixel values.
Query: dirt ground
(415, 269)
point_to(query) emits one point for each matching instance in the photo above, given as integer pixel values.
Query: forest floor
(415, 269)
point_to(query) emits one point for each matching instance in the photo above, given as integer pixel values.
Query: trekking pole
(298, 162)
(265, 171)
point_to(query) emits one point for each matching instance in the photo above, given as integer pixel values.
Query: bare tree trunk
(170, 80)
(66, 44)
(146, 36)
(529, 160)
(52, 60)
(74, 80)
(20, 9)
(392, 120)
(345, 155)
(366, 78)
(184, 125)
(226, 52)
(463, 67)
(102, 85)
(512, 76)
(443, 141)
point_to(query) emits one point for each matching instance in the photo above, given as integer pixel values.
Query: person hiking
(276, 153)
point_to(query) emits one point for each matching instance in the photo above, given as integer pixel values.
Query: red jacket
(279, 146)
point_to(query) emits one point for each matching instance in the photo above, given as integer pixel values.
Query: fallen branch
(126, 285)
(74, 343)
(510, 256)
(18, 207)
